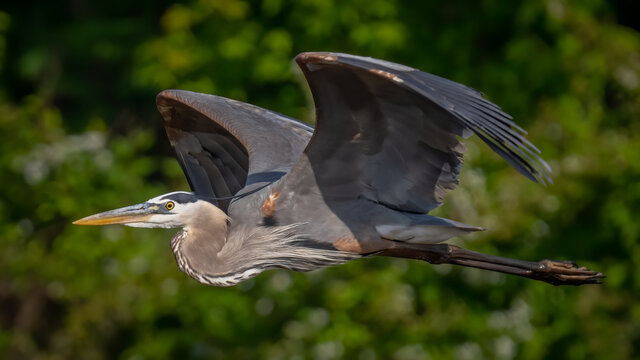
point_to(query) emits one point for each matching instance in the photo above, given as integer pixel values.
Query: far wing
(389, 133)
(225, 146)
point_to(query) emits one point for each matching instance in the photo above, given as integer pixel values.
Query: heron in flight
(272, 192)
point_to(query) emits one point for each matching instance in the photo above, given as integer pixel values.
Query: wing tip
(539, 172)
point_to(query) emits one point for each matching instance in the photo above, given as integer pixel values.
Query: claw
(568, 273)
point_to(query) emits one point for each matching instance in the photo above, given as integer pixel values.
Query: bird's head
(172, 210)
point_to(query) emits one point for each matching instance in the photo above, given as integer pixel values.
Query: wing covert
(225, 146)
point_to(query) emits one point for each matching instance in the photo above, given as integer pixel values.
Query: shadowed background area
(80, 134)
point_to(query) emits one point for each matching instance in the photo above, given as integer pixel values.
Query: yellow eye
(170, 205)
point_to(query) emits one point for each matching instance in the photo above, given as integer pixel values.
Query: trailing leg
(551, 271)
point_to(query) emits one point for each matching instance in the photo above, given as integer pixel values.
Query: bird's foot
(559, 272)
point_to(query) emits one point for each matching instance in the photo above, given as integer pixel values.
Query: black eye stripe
(181, 198)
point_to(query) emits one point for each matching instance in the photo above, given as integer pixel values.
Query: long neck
(198, 245)
(221, 256)
(229, 256)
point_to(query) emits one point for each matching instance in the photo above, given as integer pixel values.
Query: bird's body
(270, 191)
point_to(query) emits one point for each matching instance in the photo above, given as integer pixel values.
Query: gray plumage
(270, 191)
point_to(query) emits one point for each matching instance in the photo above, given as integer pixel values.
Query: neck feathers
(204, 235)
(230, 256)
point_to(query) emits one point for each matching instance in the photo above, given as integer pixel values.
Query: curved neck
(225, 257)
(198, 245)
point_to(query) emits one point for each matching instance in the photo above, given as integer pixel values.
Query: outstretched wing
(389, 133)
(226, 147)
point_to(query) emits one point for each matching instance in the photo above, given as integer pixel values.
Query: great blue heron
(270, 191)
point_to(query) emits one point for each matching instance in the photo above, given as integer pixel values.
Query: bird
(269, 191)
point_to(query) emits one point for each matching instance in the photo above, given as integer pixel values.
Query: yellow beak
(130, 214)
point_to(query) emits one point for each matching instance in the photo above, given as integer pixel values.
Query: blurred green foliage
(80, 134)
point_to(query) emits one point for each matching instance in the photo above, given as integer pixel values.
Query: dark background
(79, 134)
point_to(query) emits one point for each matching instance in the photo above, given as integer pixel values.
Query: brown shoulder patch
(269, 206)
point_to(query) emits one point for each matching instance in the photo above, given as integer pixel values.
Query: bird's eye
(170, 205)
